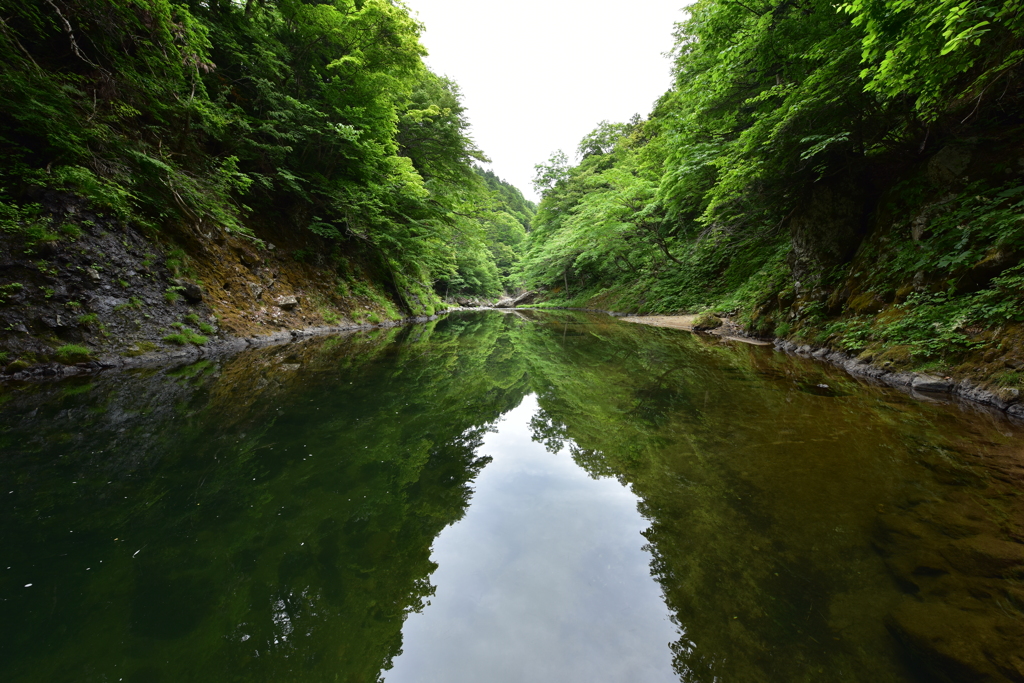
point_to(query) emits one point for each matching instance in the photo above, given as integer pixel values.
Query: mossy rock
(707, 321)
(899, 355)
(866, 303)
(17, 366)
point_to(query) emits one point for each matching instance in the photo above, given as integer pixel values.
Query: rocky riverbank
(82, 291)
(923, 385)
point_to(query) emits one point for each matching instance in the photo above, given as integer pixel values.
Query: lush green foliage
(773, 100)
(313, 119)
(489, 233)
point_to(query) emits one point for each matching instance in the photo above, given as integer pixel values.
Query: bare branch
(71, 36)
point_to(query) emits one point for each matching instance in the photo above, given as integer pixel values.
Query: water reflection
(799, 535)
(544, 580)
(269, 519)
(280, 514)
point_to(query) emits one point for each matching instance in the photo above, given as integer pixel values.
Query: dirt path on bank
(728, 330)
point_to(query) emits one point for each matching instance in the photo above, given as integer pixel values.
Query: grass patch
(1010, 379)
(70, 230)
(133, 302)
(73, 353)
(173, 294)
(28, 222)
(186, 336)
(88, 319)
(175, 262)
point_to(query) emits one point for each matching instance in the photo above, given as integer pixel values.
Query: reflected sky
(544, 579)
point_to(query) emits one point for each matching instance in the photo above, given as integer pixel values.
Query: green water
(506, 497)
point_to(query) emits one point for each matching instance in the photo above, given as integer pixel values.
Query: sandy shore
(728, 330)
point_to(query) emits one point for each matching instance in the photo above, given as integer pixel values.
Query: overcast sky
(545, 578)
(538, 75)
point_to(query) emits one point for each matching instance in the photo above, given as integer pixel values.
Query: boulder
(932, 383)
(192, 292)
(947, 167)
(506, 302)
(706, 321)
(287, 303)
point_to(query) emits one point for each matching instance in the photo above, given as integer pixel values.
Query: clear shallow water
(506, 497)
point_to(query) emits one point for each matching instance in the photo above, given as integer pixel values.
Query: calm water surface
(506, 497)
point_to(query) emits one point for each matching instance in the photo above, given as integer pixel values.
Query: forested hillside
(849, 175)
(842, 174)
(247, 149)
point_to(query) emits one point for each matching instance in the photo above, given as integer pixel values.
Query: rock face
(825, 232)
(104, 286)
(525, 299)
(947, 167)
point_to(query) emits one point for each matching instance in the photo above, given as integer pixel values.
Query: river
(506, 496)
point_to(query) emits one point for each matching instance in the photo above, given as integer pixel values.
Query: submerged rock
(959, 644)
(985, 556)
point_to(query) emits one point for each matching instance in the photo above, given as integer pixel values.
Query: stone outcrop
(287, 303)
(825, 232)
(525, 299)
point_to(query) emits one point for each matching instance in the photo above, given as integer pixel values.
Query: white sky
(538, 75)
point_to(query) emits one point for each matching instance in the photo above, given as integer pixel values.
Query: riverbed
(507, 496)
